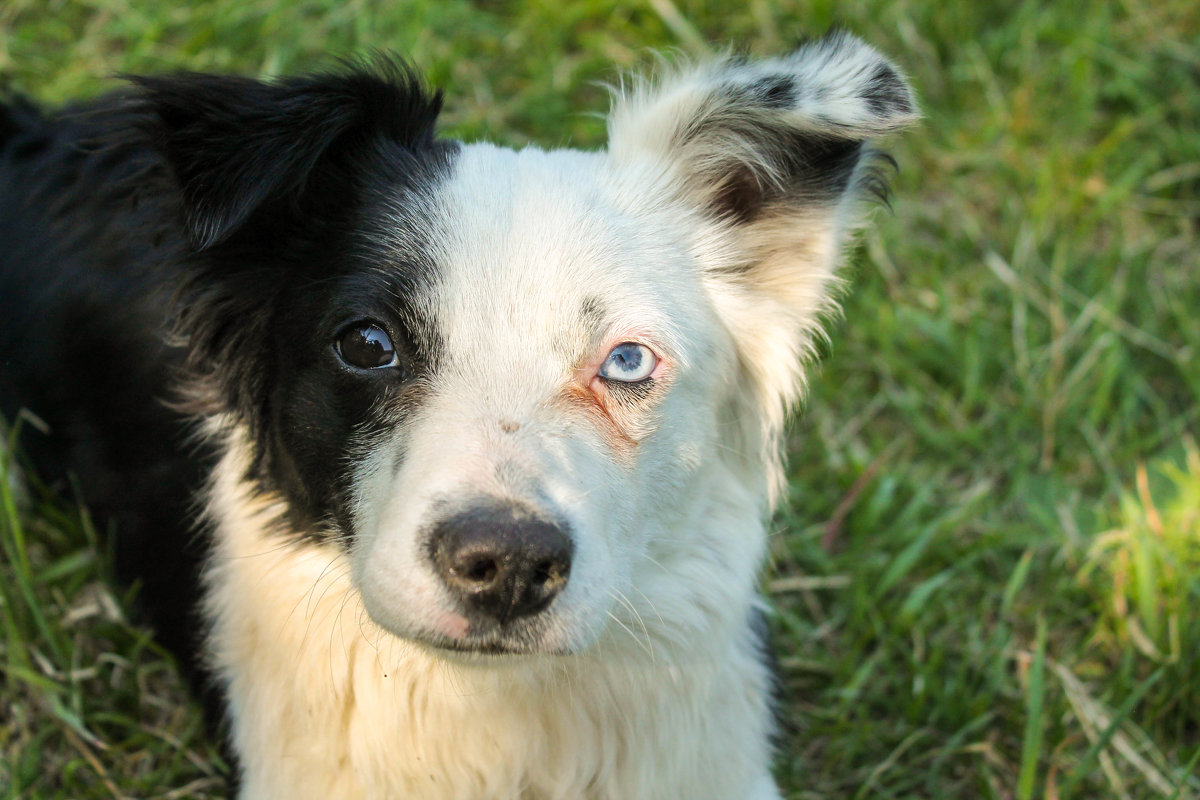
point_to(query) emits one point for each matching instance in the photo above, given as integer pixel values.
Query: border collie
(445, 467)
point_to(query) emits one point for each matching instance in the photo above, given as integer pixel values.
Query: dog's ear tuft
(743, 136)
(766, 160)
(236, 144)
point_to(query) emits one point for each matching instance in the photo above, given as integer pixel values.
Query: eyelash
(625, 391)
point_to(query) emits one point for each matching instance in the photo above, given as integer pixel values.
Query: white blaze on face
(540, 274)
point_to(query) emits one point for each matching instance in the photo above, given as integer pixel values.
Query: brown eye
(365, 345)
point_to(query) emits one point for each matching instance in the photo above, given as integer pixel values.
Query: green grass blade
(1035, 720)
(1086, 764)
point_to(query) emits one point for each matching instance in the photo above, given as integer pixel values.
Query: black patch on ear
(820, 167)
(885, 93)
(813, 167)
(237, 144)
(740, 196)
(778, 91)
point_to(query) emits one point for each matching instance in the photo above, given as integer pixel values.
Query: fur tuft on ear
(744, 135)
(236, 144)
(770, 158)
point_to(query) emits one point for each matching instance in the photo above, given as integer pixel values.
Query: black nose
(501, 561)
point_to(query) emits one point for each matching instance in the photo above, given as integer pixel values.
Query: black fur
(154, 233)
(760, 628)
(808, 167)
(778, 91)
(278, 180)
(82, 308)
(885, 93)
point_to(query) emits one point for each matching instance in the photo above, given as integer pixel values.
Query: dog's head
(536, 396)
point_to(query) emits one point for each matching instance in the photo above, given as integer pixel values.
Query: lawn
(986, 574)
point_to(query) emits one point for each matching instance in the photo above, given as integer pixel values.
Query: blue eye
(629, 362)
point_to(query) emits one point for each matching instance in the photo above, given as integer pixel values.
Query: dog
(444, 468)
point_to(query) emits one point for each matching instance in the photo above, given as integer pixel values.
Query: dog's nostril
(546, 575)
(482, 570)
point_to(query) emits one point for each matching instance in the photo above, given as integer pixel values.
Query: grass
(986, 574)
(91, 708)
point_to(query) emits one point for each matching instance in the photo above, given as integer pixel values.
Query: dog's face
(569, 391)
(535, 396)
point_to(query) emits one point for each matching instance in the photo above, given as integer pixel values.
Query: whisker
(621, 598)
(649, 650)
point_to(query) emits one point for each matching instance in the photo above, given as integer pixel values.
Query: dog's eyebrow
(592, 312)
(576, 345)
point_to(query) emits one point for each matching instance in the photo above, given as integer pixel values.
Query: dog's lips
(452, 633)
(489, 648)
(492, 648)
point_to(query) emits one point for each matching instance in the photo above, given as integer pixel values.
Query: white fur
(328, 705)
(643, 680)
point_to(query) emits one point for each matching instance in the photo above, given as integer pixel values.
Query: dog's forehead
(533, 248)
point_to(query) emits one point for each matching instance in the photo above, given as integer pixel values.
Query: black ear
(268, 179)
(237, 144)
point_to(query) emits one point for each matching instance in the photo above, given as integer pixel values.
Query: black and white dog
(449, 464)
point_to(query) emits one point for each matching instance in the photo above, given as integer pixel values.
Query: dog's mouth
(452, 633)
(497, 646)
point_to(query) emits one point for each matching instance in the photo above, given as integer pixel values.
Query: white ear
(769, 157)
